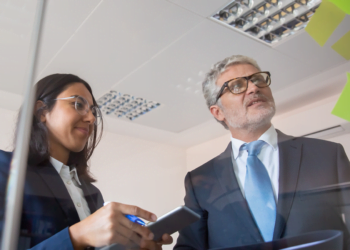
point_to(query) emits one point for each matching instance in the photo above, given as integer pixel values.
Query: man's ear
(216, 111)
(40, 105)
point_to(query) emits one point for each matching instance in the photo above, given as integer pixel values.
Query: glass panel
(277, 176)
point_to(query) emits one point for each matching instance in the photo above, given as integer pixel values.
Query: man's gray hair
(209, 87)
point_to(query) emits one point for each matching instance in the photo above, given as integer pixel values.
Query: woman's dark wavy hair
(47, 89)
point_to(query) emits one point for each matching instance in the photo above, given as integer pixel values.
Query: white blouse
(72, 183)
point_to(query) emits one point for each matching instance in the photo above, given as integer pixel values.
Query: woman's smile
(83, 130)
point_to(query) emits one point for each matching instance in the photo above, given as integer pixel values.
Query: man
(265, 185)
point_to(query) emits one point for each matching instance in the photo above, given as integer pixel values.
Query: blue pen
(135, 219)
(132, 218)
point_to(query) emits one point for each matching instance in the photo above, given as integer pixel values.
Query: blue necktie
(258, 191)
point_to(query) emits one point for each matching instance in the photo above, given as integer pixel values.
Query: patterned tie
(258, 191)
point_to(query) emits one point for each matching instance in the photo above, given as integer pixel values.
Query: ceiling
(158, 50)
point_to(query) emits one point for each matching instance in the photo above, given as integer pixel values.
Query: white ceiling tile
(16, 18)
(159, 50)
(173, 76)
(16, 24)
(304, 48)
(329, 82)
(62, 20)
(119, 37)
(204, 8)
(284, 69)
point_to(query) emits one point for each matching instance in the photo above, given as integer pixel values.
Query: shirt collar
(59, 165)
(270, 137)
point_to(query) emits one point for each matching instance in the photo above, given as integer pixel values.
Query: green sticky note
(344, 5)
(342, 108)
(343, 46)
(325, 20)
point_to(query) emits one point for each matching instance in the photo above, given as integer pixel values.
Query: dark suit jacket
(305, 165)
(48, 210)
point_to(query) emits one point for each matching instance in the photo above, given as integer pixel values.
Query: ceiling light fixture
(267, 20)
(121, 105)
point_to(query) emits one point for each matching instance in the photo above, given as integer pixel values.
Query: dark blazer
(48, 210)
(305, 166)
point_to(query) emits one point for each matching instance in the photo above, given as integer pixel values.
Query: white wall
(144, 173)
(200, 154)
(305, 120)
(139, 172)
(7, 128)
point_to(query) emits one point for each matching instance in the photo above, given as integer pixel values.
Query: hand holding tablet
(172, 222)
(169, 223)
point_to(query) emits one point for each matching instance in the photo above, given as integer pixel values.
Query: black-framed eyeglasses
(240, 84)
(82, 107)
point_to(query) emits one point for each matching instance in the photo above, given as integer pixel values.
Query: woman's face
(68, 130)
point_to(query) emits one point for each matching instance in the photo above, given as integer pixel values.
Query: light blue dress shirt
(268, 156)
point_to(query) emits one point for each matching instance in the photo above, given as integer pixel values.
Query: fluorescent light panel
(120, 105)
(268, 20)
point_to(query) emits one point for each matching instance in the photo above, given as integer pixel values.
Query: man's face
(249, 110)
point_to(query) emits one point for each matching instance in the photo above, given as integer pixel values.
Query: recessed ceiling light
(200, 73)
(120, 105)
(267, 20)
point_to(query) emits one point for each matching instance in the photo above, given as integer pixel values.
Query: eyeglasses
(240, 84)
(82, 107)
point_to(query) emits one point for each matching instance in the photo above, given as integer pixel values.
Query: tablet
(173, 221)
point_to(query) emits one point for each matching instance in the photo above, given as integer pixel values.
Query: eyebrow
(91, 105)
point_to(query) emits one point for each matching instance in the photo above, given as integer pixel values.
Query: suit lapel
(54, 182)
(224, 171)
(289, 164)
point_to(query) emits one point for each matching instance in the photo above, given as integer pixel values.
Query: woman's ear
(40, 105)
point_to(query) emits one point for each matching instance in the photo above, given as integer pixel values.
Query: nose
(252, 88)
(89, 117)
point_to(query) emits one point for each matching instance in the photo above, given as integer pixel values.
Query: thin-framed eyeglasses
(82, 107)
(240, 84)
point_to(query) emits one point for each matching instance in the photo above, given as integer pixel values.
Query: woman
(61, 208)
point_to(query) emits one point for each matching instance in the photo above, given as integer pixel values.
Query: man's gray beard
(250, 122)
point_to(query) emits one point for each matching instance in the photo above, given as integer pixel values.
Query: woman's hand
(109, 225)
(152, 245)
